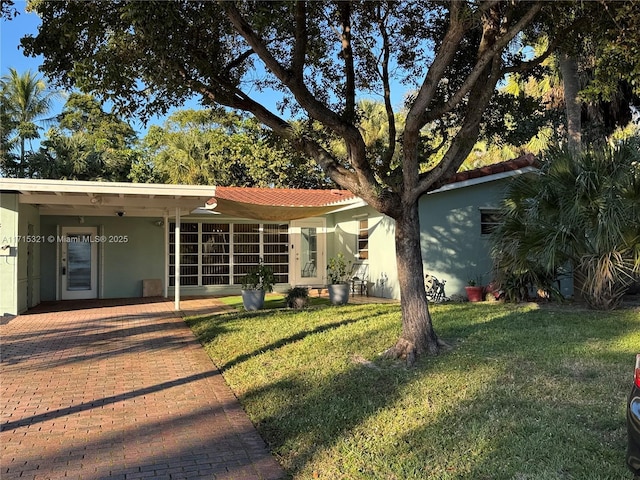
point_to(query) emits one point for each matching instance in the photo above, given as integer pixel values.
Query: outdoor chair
(435, 289)
(309, 270)
(359, 278)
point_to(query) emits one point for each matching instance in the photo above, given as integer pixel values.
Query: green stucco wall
(29, 257)
(122, 265)
(8, 254)
(453, 248)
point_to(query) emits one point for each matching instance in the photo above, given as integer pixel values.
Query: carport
(25, 202)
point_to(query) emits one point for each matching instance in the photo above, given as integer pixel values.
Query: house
(64, 240)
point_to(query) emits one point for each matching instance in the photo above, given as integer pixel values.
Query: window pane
(78, 263)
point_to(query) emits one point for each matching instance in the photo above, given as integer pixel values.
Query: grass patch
(271, 301)
(527, 393)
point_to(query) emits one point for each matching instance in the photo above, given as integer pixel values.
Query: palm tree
(580, 211)
(25, 100)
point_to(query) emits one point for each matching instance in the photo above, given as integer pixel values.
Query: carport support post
(176, 275)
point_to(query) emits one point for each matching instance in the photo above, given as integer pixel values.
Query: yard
(527, 391)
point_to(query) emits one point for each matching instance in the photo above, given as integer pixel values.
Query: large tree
(25, 101)
(323, 56)
(87, 143)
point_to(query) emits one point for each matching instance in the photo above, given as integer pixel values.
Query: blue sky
(27, 23)
(13, 57)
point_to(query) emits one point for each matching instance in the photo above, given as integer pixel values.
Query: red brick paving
(104, 390)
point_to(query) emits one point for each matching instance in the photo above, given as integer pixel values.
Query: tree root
(408, 351)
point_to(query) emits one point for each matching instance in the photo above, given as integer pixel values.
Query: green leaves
(580, 211)
(222, 148)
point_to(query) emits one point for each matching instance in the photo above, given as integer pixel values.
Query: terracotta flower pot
(475, 294)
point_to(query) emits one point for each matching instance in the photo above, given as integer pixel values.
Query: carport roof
(90, 198)
(71, 197)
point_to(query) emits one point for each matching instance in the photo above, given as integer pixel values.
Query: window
(275, 252)
(223, 253)
(246, 249)
(215, 254)
(363, 239)
(489, 220)
(189, 254)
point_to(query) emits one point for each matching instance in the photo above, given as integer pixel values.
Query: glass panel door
(78, 263)
(308, 252)
(78, 268)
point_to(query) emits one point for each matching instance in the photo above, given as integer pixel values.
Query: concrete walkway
(106, 390)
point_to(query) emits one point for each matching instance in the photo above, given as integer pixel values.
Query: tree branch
(465, 139)
(347, 56)
(486, 55)
(236, 62)
(553, 44)
(387, 155)
(316, 109)
(300, 47)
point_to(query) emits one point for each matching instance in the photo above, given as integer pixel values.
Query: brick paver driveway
(119, 391)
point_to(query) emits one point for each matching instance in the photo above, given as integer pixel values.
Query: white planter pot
(253, 299)
(339, 293)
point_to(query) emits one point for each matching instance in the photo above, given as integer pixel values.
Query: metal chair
(358, 278)
(435, 289)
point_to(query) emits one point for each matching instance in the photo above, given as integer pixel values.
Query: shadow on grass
(547, 405)
(208, 328)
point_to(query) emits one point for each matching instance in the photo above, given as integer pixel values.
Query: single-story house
(64, 240)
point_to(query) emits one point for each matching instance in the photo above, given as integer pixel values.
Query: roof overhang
(88, 198)
(272, 212)
(484, 179)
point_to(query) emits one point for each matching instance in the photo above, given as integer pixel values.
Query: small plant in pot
(297, 298)
(254, 286)
(338, 278)
(474, 290)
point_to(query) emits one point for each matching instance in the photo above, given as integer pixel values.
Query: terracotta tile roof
(523, 161)
(283, 196)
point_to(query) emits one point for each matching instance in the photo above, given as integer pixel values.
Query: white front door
(308, 247)
(79, 263)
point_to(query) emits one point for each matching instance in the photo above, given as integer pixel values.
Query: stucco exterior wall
(453, 247)
(342, 229)
(9, 254)
(122, 265)
(29, 257)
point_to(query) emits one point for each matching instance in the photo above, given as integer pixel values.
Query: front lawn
(527, 392)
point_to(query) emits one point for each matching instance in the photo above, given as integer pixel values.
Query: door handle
(64, 270)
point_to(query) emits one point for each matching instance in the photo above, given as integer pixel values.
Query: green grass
(271, 300)
(526, 393)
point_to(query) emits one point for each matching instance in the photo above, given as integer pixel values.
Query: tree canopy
(324, 56)
(86, 144)
(216, 147)
(25, 101)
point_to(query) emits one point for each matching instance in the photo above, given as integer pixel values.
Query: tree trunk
(571, 83)
(417, 335)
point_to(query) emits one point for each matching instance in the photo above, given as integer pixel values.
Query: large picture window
(223, 253)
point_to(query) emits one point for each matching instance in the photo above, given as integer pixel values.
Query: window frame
(490, 219)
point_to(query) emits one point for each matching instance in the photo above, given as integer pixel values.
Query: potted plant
(297, 297)
(474, 290)
(338, 278)
(254, 286)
